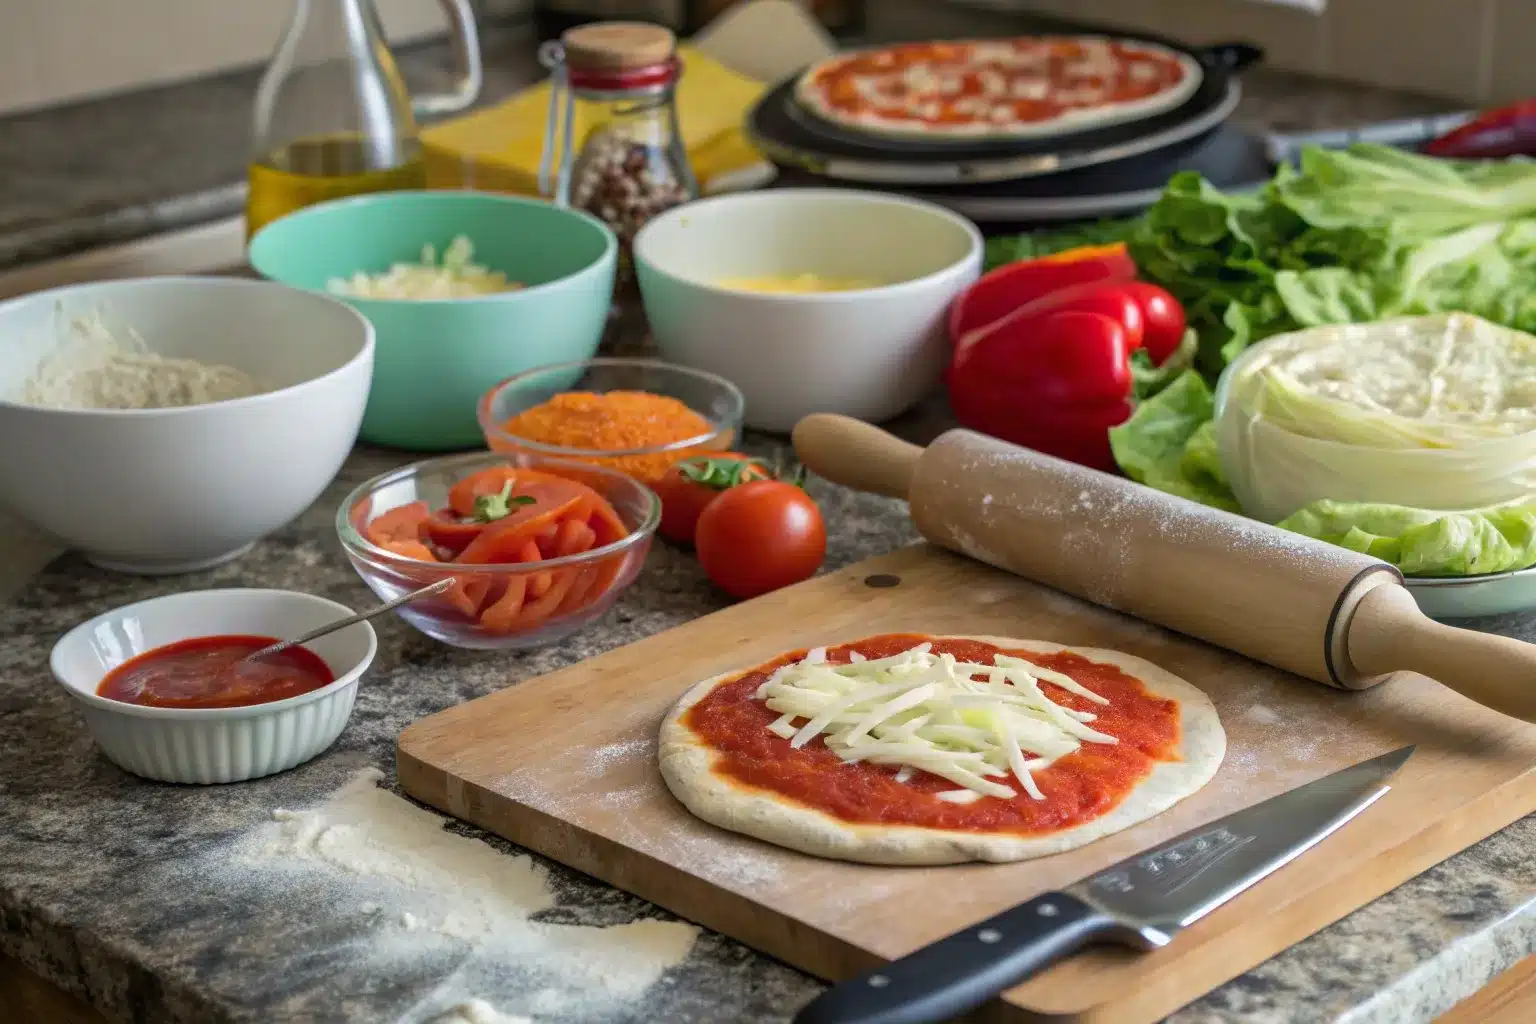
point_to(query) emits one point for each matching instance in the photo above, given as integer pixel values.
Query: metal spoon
(331, 627)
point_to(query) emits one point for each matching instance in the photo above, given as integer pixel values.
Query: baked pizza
(1026, 87)
(918, 749)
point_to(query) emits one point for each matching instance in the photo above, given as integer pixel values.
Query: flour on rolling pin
(1195, 569)
(415, 900)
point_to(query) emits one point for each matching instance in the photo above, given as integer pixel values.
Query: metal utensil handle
(466, 48)
(331, 627)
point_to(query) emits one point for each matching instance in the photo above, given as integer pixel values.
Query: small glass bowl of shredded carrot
(538, 548)
(637, 416)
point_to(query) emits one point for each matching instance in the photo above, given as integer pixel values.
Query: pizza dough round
(982, 129)
(687, 766)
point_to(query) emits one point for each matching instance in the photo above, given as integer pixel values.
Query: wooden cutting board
(565, 765)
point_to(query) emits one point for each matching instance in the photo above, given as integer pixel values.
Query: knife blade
(1142, 902)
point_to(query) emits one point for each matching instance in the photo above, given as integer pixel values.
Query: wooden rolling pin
(1320, 611)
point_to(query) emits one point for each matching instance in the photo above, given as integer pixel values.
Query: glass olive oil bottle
(333, 117)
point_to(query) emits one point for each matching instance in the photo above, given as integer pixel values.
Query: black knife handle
(966, 969)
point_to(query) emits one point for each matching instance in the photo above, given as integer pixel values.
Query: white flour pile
(93, 368)
(432, 895)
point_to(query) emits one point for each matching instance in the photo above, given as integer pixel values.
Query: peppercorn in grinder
(613, 87)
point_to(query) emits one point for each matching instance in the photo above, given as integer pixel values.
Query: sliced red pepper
(401, 523)
(1005, 289)
(468, 594)
(461, 498)
(446, 529)
(410, 549)
(1493, 135)
(503, 540)
(500, 616)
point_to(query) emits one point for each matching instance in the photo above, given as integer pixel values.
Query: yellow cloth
(498, 148)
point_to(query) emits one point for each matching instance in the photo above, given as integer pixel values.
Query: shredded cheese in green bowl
(456, 277)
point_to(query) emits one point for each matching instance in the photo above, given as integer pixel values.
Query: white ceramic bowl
(870, 353)
(210, 745)
(172, 490)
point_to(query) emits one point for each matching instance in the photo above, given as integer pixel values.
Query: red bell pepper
(1054, 375)
(1077, 433)
(1492, 135)
(1005, 289)
(1111, 299)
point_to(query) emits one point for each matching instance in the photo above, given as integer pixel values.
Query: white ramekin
(213, 745)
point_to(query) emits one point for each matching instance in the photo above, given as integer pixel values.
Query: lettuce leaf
(1169, 443)
(1420, 542)
(1348, 236)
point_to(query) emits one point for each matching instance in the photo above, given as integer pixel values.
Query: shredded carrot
(616, 421)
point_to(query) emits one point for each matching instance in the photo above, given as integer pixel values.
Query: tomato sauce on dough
(1078, 788)
(1040, 80)
(207, 672)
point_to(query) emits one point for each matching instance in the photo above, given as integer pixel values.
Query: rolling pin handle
(855, 454)
(1388, 633)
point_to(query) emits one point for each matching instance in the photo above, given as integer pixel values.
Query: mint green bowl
(434, 359)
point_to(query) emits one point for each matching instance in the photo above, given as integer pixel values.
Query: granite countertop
(115, 888)
(119, 890)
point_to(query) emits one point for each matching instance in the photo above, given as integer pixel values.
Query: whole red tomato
(759, 537)
(1162, 317)
(692, 484)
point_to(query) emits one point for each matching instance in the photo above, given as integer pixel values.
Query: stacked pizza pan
(1028, 129)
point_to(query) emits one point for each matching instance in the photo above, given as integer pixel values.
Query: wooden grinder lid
(617, 46)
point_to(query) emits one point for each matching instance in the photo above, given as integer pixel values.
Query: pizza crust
(687, 766)
(1078, 119)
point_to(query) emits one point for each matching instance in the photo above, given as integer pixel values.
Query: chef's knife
(1140, 902)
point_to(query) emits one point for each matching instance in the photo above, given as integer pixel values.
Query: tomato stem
(718, 474)
(491, 507)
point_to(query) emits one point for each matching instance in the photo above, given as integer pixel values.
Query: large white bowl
(212, 745)
(870, 353)
(172, 490)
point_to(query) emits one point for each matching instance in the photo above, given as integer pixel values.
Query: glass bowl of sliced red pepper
(538, 548)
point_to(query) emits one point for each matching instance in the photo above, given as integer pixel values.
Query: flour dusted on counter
(95, 368)
(478, 1011)
(437, 896)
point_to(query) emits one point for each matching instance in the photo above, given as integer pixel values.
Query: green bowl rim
(608, 257)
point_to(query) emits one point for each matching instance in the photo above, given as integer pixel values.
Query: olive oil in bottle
(312, 170)
(333, 117)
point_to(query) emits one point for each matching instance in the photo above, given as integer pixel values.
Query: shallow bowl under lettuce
(1469, 597)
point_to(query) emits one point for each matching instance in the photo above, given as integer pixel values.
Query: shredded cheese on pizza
(979, 726)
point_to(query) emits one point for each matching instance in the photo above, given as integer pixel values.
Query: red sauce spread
(1078, 788)
(207, 672)
(872, 82)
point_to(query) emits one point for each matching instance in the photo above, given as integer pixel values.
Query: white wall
(53, 51)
